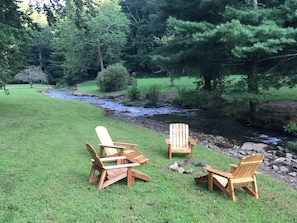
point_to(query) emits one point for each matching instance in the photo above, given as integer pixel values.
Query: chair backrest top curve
(248, 166)
(105, 139)
(94, 155)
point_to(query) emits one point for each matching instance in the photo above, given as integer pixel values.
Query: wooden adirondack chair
(179, 141)
(112, 173)
(111, 148)
(240, 176)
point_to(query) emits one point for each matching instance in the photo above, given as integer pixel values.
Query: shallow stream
(200, 120)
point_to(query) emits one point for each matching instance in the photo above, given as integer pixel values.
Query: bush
(153, 95)
(191, 98)
(186, 98)
(133, 93)
(292, 145)
(114, 78)
(291, 128)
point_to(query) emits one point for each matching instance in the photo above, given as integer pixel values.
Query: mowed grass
(45, 166)
(143, 84)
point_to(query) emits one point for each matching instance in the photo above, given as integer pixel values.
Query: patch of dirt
(275, 115)
(285, 106)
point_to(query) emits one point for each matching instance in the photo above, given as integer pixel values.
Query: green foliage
(291, 128)
(187, 98)
(87, 39)
(114, 78)
(14, 26)
(292, 145)
(153, 95)
(133, 92)
(31, 75)
(193, 98)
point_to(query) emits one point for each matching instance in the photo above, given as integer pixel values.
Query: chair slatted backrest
(94, 155)
(179, 134)
(248, 166)
(105, 139)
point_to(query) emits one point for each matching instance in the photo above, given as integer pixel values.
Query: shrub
(291, 128)
(114, 78)
(186, 98)
(133, 93)
(292, 145)
(153, 95)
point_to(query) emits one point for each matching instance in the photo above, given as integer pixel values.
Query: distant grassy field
(45, 165)
(143, 84)
(273, 95)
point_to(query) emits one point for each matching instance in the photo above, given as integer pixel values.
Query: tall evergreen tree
(256, 41)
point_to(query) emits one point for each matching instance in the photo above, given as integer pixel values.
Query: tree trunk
(171, 81)
(100, 59)
(253, 89)
(207, 83)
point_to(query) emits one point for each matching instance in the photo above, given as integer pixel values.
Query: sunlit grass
(143, 85)
(45, 165)
(282, 94)
(272, 95)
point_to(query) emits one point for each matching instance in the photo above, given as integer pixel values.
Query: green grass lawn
(45, 166)
(271, 95)
(143, 84)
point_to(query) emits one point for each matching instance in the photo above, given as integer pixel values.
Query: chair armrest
(217, 172)
(121, 166)
(192, 141)
(124, 144)
(233, 167)
(102, 147)
(114, 158)
(168, 141)
(115, 147)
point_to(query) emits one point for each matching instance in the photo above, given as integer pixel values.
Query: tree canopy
(207, 39)
(13, 38)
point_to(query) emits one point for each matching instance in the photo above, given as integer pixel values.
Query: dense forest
(66, 42)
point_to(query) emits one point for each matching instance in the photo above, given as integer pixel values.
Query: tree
(107, 30)
(146, 23)
(191, 41)
(256, 40)
(31, 75)
(13, 38)
(249, 37)
(89, 41)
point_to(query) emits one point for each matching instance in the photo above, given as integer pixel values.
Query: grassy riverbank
(45, 165)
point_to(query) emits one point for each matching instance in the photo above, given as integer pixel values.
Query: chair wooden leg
(255, 188)
(210, 181)
(91, 175)
(102, 179)
(140, 175)
(130, 177)
(254, 191)
(231, 192)
(169, 153)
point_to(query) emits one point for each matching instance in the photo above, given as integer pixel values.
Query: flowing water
(200, 120)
